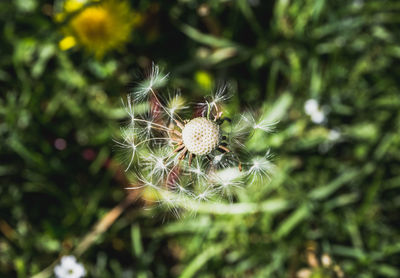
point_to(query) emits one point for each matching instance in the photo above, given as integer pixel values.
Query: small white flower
(312, 108)
(69, 268)
(334, 135)
(318, 117)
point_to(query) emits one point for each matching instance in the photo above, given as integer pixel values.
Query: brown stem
(190, 158)
(183, 154)
(225, 149)
(180, 147)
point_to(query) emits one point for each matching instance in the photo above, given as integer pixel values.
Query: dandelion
(69, 268)
(188, 155)
(99, 26)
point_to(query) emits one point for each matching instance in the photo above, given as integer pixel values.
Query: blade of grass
(205, 38)
(198, 262)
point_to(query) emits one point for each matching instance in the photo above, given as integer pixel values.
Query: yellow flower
(74, 5)
(67, 42)
(70, 6)
(101, 27)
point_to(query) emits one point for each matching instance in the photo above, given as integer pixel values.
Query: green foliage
(336, 184)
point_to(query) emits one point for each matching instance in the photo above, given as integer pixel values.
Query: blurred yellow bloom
(70, 6)
(74, 5)
(67, 42)
(99, 27)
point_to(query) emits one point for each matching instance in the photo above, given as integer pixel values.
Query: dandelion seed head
(201, 136)
(188, 159)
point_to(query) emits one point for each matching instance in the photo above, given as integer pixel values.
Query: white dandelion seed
(155, 80)
(211, 104)
(129, 109)
(260, 167)
(227, 181)
(262, 124)
(158, 163)
(220, 95)
(175, 104)
(205, 195)
(128, 136)
(199, 169)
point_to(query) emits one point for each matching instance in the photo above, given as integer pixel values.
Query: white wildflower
(311, 106)
(69, 268)
(316, 113)
(334, 134)
(318, 117)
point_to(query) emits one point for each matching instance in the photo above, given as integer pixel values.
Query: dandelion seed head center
(201, 136)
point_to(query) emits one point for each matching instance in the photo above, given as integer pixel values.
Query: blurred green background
(331, 209)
